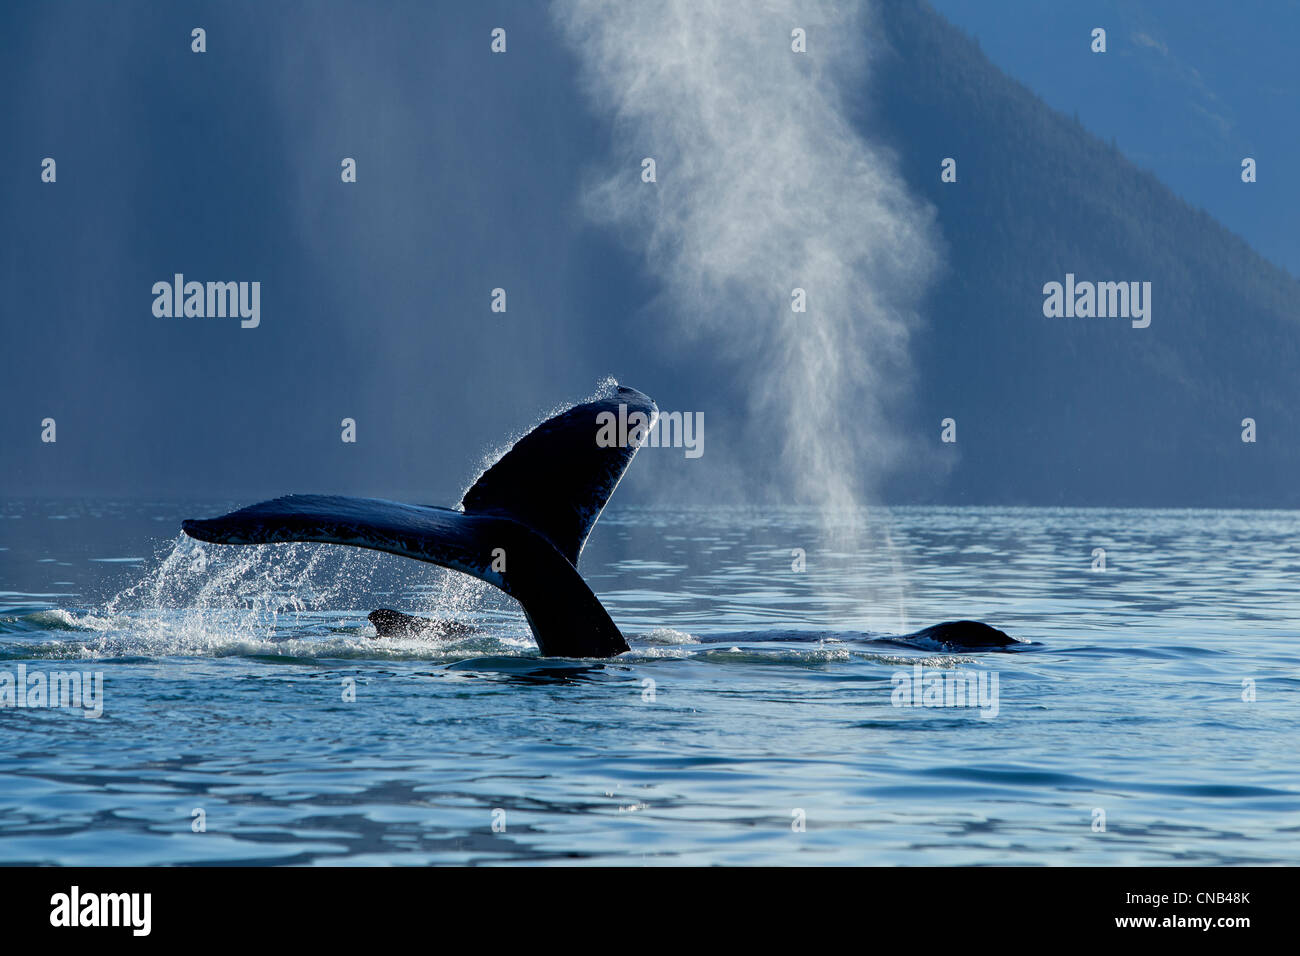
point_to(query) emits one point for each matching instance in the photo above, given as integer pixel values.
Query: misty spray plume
(763, 186)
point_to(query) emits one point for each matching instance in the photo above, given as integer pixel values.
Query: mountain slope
(1078, 410)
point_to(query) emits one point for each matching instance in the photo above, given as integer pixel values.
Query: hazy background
(478, 170)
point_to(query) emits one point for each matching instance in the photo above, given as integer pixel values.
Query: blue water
(755, 697)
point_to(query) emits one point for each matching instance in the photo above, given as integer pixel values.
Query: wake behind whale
(521, 527)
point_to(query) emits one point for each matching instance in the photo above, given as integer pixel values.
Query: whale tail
(521, 527)
(558, 477)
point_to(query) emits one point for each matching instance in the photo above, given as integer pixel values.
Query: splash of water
(204, 600)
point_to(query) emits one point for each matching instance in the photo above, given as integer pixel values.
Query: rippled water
(755, 698)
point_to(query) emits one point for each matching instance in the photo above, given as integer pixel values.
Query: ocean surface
(247, 714)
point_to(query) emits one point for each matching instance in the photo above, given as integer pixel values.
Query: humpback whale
(521, 527)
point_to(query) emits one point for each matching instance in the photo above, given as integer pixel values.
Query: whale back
(558, 478)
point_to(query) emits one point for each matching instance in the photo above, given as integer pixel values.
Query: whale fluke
(557, 479)
(521, 527)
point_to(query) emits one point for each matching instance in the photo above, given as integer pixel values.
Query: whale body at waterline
(950, 635)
